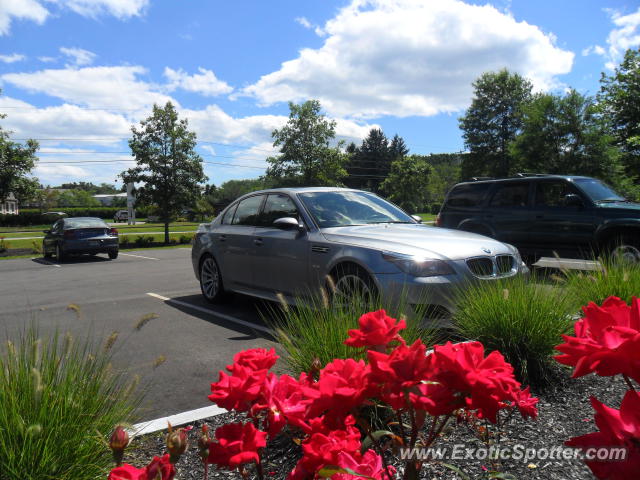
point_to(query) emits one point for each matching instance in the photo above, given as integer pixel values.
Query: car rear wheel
(59, 253)
(350, 283)
(113, 255)
(624, 249)
(211, 280)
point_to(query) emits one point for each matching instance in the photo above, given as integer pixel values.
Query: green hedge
(33, 216)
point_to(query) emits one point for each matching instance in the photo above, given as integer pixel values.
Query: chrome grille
(481, 266)
(504, 264)
(498, 266)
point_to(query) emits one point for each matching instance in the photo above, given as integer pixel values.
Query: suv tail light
(69, 234)
(113, 232)
(438, 220)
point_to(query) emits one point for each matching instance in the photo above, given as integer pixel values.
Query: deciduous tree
(407, 183)
(168, 169)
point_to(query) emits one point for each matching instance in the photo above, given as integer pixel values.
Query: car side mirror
(287, 223)
(573, 200)
(417, 218)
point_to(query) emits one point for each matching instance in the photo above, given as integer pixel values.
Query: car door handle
(257, 241)
(222, 238)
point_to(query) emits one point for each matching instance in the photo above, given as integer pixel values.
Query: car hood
(417, 240)
(622, 207)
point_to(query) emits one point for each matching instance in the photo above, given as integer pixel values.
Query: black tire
(45, 254)
(351, 282)
(113, 255)
(623, 248)
(59, 253)
(211, 284)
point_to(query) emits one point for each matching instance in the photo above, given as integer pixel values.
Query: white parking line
(46, 262)
(139, 256)
(229, 318)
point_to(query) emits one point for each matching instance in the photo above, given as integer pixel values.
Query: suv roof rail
(479, 179)
(525, 174)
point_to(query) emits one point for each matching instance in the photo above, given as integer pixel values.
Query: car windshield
(84, 223)
(598, 191)
(341, 209)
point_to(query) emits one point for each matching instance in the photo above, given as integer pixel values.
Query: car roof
(82, 218)
(306, 190)
(569, 178)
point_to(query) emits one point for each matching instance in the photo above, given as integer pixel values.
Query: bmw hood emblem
(486, 250)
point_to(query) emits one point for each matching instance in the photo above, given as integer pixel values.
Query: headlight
(419, 267)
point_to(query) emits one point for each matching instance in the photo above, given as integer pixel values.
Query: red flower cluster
(453, 377)
(606, 341)
(618, 428)
(160, 467)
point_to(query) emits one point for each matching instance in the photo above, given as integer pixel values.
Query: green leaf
(329, 471)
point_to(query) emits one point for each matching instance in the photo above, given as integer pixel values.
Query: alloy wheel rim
(627, 254)
(210, 278)
(352, 287)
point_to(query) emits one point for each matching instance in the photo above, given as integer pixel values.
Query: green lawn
(427, 217)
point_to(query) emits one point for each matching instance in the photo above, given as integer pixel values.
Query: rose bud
(118, 442)
(203, 443)
(176, 443)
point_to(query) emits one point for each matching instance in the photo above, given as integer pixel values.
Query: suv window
(277, 206)
(468, 195)
(247, 211)
(552, 193)
(511, 195)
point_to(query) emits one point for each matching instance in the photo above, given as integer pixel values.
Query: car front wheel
(350, 283)
(624, 249)
(211, 280)
(113, 255)
(59, 253)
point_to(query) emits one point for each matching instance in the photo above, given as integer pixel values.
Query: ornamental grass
(312, 332)
(520, 319)
(59, 401)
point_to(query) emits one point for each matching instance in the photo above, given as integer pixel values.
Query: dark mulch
(564, 412)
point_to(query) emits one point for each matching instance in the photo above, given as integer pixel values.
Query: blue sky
(76, 74)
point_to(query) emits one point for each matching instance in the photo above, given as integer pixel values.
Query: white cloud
(209, 149)
(121, 9)
(14, 57)
(35, 10)
(204, 83)
(21, 10)
(625, 35)
(304, 22)
(109, 88)
(47, 59)
(63, 122)
(411, 57)
(79, 56)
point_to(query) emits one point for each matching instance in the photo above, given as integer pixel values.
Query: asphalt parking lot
(195, 338)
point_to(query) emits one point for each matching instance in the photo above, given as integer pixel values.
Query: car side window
(247, 211)
(468, 195)
(552, 194)
(511, 195)
(277, 206)
(228, 215)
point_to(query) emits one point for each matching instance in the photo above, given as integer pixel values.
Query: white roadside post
(131, 217)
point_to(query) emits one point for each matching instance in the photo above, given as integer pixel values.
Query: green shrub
(617, 279)
(124, 241)
(316, 329)
(520, 319)
(144, 241)
(185, 239)
(4, 245)
(36, 246)
(60, 399)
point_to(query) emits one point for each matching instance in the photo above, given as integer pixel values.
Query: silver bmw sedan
(288, 242)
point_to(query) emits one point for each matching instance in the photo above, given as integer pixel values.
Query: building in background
(9, 206)
(107, 199)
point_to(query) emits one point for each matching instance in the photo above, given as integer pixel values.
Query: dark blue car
(80, 235)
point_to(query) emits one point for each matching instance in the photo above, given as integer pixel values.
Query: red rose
(324, 448)
(127, 472)
(284, 402)
(238, 391)
(369, 465)
(236, 444)
(525, 403)
(606, 341)
(394, 373)
(342, 386)
(254, 359)
(376, 329)
(618, 429)
(159, 466)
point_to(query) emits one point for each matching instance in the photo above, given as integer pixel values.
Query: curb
(176, 420)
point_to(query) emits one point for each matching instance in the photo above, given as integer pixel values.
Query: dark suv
(547, 214)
